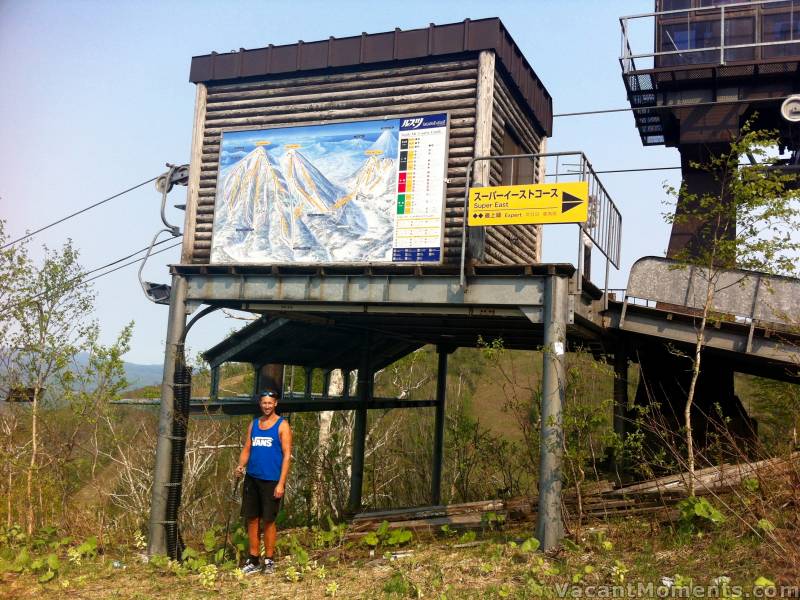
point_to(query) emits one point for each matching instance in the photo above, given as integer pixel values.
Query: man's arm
(244, 456)
(285, 435)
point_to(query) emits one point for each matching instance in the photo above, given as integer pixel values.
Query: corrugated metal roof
(369, 49)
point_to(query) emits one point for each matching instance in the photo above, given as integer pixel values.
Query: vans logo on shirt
(262, 441)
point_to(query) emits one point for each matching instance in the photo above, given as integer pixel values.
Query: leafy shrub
(397, 584)
(493, 521)
(385, 537)
(697, 513)
(331, 537)
(467, 537)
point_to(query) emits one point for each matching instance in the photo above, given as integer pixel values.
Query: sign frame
(515, 204)
(323, 122)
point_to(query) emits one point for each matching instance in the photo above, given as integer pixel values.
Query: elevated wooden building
(472, 70)
(434, 100)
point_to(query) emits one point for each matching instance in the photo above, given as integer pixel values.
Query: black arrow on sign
(568, 202)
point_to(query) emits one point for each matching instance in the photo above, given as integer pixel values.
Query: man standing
(265, 456)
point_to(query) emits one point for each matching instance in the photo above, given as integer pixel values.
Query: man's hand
(279, 490)
(239, 471)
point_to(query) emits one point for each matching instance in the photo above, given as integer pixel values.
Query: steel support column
(157, 540)
(690, 234)
(360, 431)
(309, 383)
(214, 385)
(550, 528)
(438, 428)
(620, 399)
(620, 389)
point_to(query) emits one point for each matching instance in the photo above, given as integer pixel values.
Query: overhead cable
(119, 260)
(175, 245)
(75, 214)
(637, 170)
(81, 279)
(667, 106)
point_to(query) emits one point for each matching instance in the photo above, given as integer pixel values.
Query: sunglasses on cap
(269, 394)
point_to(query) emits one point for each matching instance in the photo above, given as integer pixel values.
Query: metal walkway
(754, 323)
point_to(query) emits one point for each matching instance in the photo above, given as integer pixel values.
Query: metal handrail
(658, 13)
(628, 57)
(751, 296)
(604, 227)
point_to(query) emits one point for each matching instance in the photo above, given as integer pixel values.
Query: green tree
(48, 325)
(746, 222)
(13, 265)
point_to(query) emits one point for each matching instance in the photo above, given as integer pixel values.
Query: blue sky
(96, 97)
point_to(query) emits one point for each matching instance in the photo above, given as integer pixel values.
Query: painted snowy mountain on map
(317, 194)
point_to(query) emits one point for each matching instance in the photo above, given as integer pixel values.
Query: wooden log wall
(419, 89)
(511, 244)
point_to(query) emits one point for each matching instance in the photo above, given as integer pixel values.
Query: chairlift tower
(695, 71)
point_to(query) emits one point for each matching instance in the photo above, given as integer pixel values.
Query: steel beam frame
(322, 293)
(247, 405)
(729, 337)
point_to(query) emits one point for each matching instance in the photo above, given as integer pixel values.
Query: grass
(498, 566)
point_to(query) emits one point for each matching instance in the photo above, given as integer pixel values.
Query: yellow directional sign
(529, 204)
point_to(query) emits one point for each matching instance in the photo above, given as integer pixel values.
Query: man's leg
(252, 564)
(270, 535)
(253, 537)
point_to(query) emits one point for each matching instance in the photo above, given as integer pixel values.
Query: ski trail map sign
(343, 193)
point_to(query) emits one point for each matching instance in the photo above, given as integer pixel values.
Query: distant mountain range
(137, 375)
(142, 375)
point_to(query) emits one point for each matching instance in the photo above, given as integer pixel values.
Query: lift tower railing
(603, 227)
(710, 35)
(705, 56)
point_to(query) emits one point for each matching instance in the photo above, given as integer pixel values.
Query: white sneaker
(250, 568)
(269, 566)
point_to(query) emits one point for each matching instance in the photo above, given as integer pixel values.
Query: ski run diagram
(352, 192)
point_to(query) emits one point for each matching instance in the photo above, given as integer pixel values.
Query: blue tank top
(266, 453)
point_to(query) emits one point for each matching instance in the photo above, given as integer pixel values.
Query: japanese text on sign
(538, 203)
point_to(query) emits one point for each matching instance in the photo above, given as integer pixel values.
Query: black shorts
(258, 499)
